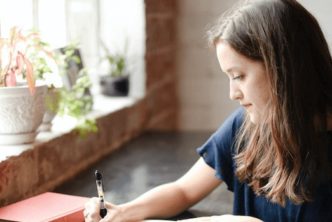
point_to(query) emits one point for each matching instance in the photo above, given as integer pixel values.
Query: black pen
(99, 183)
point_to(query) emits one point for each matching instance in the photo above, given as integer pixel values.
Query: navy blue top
(218, 152)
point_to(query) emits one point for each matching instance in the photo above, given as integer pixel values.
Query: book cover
(46, 207)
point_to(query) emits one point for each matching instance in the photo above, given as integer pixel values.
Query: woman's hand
(223, 218)
(91, 212)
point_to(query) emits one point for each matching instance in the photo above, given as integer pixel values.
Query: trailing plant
(77, 103)
(64, 56)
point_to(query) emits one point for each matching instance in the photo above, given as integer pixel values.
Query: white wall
(322, 10)
(203, 88)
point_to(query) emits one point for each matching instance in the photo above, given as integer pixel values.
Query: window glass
(60, 22)
(52, 21)
(15, 13)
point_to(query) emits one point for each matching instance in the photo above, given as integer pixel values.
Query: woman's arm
(170, 199)
(223, 218)
(163, 201)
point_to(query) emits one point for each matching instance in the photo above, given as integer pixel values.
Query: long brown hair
(284, 155)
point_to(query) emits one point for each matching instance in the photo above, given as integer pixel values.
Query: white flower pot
(21, 113)
(51, 105)
(47, 121)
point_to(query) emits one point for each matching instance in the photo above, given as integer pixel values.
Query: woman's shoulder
(232, 124)
(217, 151)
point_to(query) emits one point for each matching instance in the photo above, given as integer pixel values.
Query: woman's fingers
(91, 210)
(114, 214)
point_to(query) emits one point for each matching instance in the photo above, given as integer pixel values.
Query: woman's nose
(234, 93)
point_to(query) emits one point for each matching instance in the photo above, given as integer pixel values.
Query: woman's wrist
(131, 212)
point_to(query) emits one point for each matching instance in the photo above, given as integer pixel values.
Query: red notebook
(48, 206)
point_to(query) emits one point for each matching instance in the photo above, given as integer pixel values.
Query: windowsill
(61, 125)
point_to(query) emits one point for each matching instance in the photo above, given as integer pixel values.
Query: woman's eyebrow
(232, 69)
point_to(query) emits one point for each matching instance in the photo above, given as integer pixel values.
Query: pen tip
(98, 175)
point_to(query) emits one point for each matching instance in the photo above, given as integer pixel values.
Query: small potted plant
(21, 97)
(116, 81)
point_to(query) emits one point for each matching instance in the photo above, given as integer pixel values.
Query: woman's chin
(253, 118)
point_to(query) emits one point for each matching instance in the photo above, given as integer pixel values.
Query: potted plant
(116, 82)
(21, 97)
(62, 70)
(46, 66)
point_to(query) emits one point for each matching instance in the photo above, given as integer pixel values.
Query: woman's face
(247, 80)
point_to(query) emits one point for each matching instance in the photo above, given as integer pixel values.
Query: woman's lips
(246, 105)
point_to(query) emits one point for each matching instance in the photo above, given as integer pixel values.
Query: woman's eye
(237, 77)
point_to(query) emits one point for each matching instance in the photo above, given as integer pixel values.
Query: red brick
(162, 98)
(166, 121)
(160, 6)
(159, 66)
(160, 33)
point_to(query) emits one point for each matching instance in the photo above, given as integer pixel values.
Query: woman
(274, 153)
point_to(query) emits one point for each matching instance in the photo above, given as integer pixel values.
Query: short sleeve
(217, 151)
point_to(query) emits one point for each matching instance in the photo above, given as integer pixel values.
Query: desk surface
(145, 162)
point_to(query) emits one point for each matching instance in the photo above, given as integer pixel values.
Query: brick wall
(47, 165)
(161, 78)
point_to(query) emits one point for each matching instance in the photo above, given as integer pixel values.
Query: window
(87, 22)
